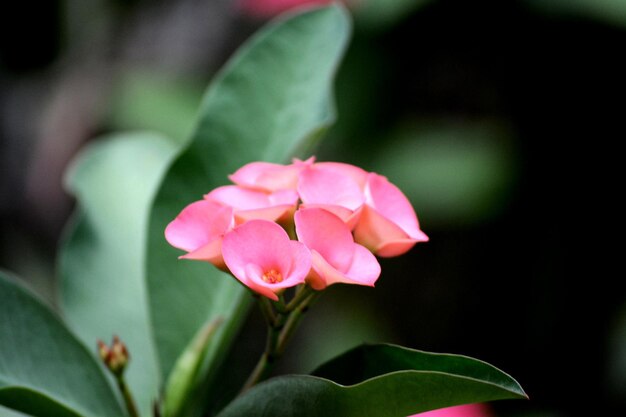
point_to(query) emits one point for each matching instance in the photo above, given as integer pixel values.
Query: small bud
(115, 357)
(103, 350)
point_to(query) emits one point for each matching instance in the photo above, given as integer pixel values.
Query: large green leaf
(269, 102)
(102, 260)
(378, 381)
(44, 370)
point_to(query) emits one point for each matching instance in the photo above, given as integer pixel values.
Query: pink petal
(324, 273)
(325, 233)
(300, 267)
(359, 175)
(382, 236)
(334, 255)
(252, 204)
(365, 269)
(253, 279)
(268, 176)
(391, 203)
(248, 199)
(325, 186)
(259, 246)
(199, 224)
(239, 198)
(349, 217)
(211, 252)
(269, 213)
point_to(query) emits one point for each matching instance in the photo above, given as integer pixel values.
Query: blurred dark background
(501, 121)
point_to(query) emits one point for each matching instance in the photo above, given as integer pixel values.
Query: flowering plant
(235, 226)
(286, 232)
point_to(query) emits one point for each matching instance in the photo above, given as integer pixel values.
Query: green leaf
(149, 100)
(7, 412)
(101, 261)
(380, 381)
(44, 370)
(269, 102)
(180, 382)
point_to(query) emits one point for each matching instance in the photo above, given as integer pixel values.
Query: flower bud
(114, 357)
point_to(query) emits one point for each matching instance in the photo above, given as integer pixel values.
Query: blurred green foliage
(454, 171)
(609, 11)
(151, 101)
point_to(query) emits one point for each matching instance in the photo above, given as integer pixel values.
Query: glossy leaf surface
(380, 381)
(44, 369)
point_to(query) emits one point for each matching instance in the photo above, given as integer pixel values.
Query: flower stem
(293, 321)
(128, 397)
(264, 365)
(280, 329)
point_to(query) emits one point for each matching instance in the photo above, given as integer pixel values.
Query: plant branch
(281, 325)
(128, 397)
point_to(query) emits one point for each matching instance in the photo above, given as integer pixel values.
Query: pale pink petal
(289, 197)
(253, 279)
(239, 198)
(301, 264)
(199, 224)
(469, 410)
(395, 248)
(382, 236)
(269, 213)
(325, 186)
(349, 217)
(260, 247)
(359, 175)
(255, 204)
(391, 203)
(211, 252)
(325, 274)
(300, 260)
(258, 242)
(322, 231)
(365, 269)
(267, 176)
(335, 258)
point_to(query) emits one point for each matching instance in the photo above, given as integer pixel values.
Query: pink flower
(199, 229)
(260, 255)
(358, 175)
(269, 8)
(270, 177)
(332, 188)
(469, 410)
(388, 224)
(251, 204)
(334, 255)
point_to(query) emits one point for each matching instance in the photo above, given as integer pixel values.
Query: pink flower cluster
(340, 215)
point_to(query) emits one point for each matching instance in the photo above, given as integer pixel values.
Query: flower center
(272, 276)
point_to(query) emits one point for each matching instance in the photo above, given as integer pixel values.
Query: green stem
(293, 321)
(301, 294)
(280, 329)
(268, 312)
(128, 397)
(266, 361)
